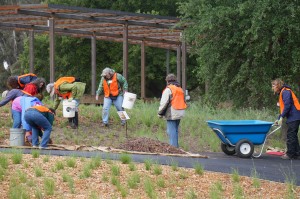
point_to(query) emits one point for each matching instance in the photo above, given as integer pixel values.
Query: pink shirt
(16, 105)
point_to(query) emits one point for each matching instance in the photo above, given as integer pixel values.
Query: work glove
(278, 122)
(70, 99)
(97, 97)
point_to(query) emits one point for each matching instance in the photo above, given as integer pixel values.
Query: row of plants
(44, 176)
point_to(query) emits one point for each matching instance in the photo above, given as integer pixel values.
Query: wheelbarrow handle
(278, 127)
(224, 136)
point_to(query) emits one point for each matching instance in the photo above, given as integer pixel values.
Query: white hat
(50, 89)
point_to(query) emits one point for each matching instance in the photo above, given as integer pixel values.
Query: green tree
(242, 45)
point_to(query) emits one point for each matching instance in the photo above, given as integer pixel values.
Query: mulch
(148, 145)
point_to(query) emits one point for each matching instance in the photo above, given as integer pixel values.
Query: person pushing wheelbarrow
(289, 108)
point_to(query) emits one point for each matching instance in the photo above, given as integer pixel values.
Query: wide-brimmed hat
(50, 89)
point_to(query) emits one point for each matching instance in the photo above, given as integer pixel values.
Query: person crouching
(40, 117)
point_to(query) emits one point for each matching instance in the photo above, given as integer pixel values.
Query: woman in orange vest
(19, 82)
(289, 108)
(172, 107)
(40, 117)
(113, 85)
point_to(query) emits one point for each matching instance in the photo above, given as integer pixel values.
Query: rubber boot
(75, 120)
(70, 121)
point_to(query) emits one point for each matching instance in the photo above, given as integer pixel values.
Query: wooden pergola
(98, 24)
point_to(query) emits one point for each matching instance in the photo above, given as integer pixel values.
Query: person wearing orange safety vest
(40, 117)
(68, 88)
(289, 109)
(113, 85)
(172, 107)
(19, 82)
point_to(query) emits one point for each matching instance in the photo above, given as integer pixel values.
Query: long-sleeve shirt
(11, 95)
(122, 85)
(77, 89)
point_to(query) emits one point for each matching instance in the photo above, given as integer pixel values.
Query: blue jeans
(172, 130)
(107, 104)
(38, 121)
(17, 117)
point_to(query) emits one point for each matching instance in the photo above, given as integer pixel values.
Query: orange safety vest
(112, 89)
(26, 93)
(59, 82)
(24, 76)
(177, 101)
(42, 108)
(294, 97)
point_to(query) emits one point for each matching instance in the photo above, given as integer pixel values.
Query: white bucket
(69, 108)
(128, 101)
(17, 137)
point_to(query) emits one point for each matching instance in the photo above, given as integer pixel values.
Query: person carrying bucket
(289, 108)
(113, 85)
(68, 88)
(172, 107)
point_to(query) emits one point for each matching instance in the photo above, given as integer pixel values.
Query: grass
(195, 135)
(125, 158)
(140, 183)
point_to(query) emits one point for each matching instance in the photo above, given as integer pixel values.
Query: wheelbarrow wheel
(244, 148)
(227, 149)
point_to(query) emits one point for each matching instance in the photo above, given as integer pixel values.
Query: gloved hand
(97, 97)
(70, 99)
(278, 122)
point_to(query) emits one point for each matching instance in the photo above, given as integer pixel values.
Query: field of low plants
(44, 176)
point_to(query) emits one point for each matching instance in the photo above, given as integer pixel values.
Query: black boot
(75, 120)
(70, 121)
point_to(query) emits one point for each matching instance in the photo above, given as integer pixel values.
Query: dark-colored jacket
(11, 95)
(289, 111)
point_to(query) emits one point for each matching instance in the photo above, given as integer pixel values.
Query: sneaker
(285, 157)
(34, 146)
(40, 147)
(104, 125)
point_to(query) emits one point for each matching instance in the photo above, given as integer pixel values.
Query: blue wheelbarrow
(240, 136)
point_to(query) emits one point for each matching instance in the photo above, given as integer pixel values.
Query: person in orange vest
(19, 82)
(172, 107)
(40, 117)
(289, 108)
(67, 88)
(113, 85)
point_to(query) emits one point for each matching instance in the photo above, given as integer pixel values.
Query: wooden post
(93, 74)
(52, 49)
(125, 51)
(31, 51)
(143, 92)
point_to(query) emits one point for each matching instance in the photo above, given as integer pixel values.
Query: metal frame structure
(98, 24)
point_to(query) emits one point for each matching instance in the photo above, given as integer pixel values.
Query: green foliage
(241, 46)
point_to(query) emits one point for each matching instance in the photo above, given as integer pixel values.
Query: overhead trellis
(154, 30)
(98, 24)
